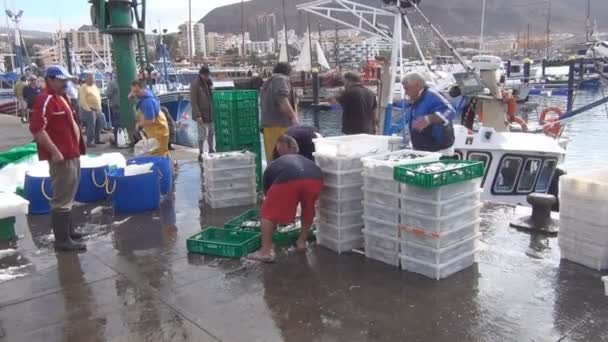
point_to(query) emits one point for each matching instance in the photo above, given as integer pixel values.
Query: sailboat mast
(309, 39)
(548, 29)
(483, 22)
(190, 39)
(588, 23)
(243, 31)
(336, 48)
(285, 29)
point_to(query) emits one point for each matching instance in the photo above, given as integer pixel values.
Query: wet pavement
(138, 283)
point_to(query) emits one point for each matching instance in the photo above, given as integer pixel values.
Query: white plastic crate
(605, 280)
(346, 219)
(582, 208)
(339, 246)
(440, 208)
(342, 193)
(588, 184)
(388, 185)
(379, 241)
(227, 160)
(329, 204)
(390, 258)
(223, 194)
(588, 254)
(339, 233)
(342, 178)
(231, 183)
(435, 271)
(380, 212)
(382, 165)
(381, 198)
(571, 254)
(442, 255)
(587, 232)
(441, 224)
(246, 199)
(441, 193)
(338, 164)
(214, 175)
(380, 227)
(440, 240)
(352, 145)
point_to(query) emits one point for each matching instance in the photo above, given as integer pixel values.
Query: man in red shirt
(56, 129)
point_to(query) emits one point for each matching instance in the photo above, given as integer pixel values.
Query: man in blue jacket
(430, 115)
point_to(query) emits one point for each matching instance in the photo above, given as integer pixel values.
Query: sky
(46, 15)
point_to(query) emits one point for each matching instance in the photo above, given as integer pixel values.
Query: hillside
(455, 17)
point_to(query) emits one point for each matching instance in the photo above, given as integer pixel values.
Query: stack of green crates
(236, 122)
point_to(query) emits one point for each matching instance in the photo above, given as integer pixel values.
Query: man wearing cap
(30, 93)
(56, 129)
(202, 109)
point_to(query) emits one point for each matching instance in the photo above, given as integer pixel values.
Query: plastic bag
(138, 169)
(12, 205)
(122, 138)
(145, 146)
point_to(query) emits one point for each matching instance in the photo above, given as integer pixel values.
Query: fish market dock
(137, 282)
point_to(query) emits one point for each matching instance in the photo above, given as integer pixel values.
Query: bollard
(540, 220)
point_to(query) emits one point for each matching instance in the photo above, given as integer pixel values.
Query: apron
(159, 130)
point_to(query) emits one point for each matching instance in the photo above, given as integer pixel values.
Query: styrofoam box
(380, 212)
(381, 198)
(339, 233)
(442, 255)
(441, 224)
(338, 164)
(352, 145)
(569, 253)
(214, 185)
(340, 219)
(223, 194)
(387, 257)
(440, 240)
(340, 206)
(576, 229)
(382, 165)
(435, 271)
(441, 193)
(380, 227)
(587, 184)
(583, 209)
(380, 241)
(381, 184)
(440, 208)
(341, 178)
(339, 246)
(605, 280)
(226, 160)
(342, 193)
(246, 199)
(229, 173)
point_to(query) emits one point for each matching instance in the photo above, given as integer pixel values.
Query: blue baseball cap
(57, 71)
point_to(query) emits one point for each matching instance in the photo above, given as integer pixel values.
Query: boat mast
(336, 48)
(548, 28)
(527, 41)
(243, 31)
(483, 21)
(309, 40)
(190, 39)
(588, 23)
(285, 30)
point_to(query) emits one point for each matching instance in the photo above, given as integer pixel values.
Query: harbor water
(587, 133)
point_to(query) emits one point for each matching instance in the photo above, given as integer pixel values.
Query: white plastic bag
(138, 169)
(122, 138)
(145, 146)
(12, 205)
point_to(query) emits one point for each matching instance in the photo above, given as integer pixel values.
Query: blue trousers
(94, 122)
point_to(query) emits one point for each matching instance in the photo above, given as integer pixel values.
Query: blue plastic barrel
(92, 186)
(38, 191)
(162, 164)
(134, 194)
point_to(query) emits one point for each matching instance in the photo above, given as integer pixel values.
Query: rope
(108, 189)
(43, 191)
(105, 180)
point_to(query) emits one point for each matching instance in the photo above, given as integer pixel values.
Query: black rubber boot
(73, 233)
(60, 221)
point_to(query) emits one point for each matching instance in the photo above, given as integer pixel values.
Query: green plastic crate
(7, 229)
(246, 104)
(407, 174)
(278, 238)
(224, 242)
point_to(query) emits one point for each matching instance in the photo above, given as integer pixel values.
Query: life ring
(554, 129)
(519, 120)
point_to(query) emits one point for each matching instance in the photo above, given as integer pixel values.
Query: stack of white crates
(381, 202)
(340, 207)
(439, 229)
(583, 218)
(229, 179)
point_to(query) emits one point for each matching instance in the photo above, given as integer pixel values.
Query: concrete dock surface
(137, 282)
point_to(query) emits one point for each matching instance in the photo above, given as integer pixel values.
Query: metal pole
(588, 23)
(68, 54)
(285, 29)
(309, 40)
(509, 68)
(544, 67)
(337, 48)
(190, 40)
(571, 64)
(527, 41)
(483, 21)
(407, 23)
(548, 29)
(243, 31)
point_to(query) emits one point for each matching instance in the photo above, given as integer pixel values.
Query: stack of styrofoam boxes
(340, 209)
(229, 179)
(583, 218)
(439, 228)
(381, 202)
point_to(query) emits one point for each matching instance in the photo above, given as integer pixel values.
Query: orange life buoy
(522, 123)
(555, 129)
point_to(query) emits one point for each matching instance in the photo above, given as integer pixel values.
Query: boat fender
(555, 129)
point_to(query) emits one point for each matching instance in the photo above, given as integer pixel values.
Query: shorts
(281, 202)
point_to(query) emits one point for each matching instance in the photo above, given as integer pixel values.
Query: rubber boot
(73, 233)
(60, 222)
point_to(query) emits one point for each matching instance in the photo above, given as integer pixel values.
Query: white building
(197, 44)
(87, 45)
(215, 43)
(261, 48)
(354, 50)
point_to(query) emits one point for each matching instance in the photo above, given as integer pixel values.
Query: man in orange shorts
(289, 180)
